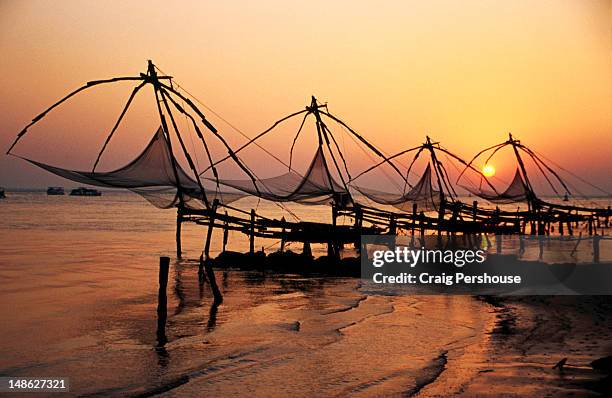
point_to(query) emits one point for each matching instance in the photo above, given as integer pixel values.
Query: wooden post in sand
(162, 300)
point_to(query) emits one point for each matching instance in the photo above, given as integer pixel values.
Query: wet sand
(530, 335)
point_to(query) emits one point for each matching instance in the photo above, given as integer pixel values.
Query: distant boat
(81, 191)
(2, 195)
(55, 191)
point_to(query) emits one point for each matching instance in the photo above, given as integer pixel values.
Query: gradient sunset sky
(464, 72)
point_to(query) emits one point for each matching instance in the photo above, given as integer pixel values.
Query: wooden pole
(441, 213)
(210, 274)
(307, 251)
(162, 300)
(474, 210)
(179, 223)
(225, 232)
(283, 237)
(392, 225)
(211, 226)
(358, 225)
(331, 247)
(414, 217)
(252, 233)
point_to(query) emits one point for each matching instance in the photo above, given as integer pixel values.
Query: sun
(488, 170)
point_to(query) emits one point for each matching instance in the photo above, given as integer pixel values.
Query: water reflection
(163, 357)
(212, 316)
(178, 290)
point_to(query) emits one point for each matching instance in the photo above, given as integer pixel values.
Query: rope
(226, 121)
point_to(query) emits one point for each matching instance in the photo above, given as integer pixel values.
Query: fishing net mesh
(423, 194)
(516, 192)
(151, 175)
(316, 187)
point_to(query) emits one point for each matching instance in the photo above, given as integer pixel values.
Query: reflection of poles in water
(521, 245)
(541, 244)
(163, 358)
(178, 291)
(201, 273)
(212, 316)
(162, 301)
(596, 240)
(577, 243)
(210, 275)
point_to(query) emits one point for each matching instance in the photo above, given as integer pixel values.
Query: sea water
(79, 294)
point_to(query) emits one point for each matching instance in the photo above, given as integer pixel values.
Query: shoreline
(529, 336)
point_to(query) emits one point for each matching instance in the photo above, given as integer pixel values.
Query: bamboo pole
(71, 94)
(112, 132)
(184, 148)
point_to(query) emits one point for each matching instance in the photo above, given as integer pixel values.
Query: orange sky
(465, 72)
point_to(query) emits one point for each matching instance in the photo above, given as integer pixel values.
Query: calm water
(79, 278)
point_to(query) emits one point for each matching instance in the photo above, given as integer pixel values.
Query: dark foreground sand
(531, 334)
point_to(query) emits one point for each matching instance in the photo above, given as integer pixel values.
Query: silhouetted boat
(81, 191)
(2, 195)
(55, 191)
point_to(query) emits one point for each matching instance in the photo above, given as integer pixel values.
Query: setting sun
(488, 170)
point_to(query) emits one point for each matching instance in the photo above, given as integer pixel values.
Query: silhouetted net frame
(422, 194)
(155, 173)
(520, 188)
(326, 181)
